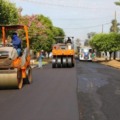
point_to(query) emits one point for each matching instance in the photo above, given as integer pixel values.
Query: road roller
(15, 70)
(63, 55)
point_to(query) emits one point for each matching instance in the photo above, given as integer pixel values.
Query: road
(51, 96)
(90, 91)
(98, 91)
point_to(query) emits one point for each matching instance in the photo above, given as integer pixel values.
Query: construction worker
(93, 56)
(40, 59)
(16, 42)
(69, 40)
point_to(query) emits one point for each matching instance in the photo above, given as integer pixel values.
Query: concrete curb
(33, 66)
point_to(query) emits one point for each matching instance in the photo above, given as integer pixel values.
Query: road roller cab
(63, 55)
(14, 69)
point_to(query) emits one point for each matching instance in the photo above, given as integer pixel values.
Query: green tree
(90, 35)
(58, 34)
(117, 3)
(114, 27)
(8, 13)
(86, 43)
(78, 42)
(78, 45)
(42, 33)
(106, 42)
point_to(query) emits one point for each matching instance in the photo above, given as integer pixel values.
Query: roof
(12, 27)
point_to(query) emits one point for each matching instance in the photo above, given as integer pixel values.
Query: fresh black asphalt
(98, 91)
(89, 91)
(51, 96)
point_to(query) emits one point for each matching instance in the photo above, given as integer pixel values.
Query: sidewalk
(112, 63)
(34, 63)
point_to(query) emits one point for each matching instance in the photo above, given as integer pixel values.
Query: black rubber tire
(64, 62)
(54, 63)
(69, 62)
(59, 62)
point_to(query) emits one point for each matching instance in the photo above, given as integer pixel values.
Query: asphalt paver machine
(14, 70)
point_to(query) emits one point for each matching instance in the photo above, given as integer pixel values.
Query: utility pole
(114, 56)
(102, 27)
(115, 22)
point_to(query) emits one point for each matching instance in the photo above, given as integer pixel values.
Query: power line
(62, 5)
(82, 19)
(90, 26)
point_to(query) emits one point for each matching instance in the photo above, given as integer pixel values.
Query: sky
(76, 17)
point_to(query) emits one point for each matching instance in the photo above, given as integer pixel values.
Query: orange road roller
(63, 55)
(14, 70)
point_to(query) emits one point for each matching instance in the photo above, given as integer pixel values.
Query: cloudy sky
(76, 17)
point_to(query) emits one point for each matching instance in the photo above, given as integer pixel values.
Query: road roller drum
(11, 78)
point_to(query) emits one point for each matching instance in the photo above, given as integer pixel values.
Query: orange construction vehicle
(63, 55)
(14, 70)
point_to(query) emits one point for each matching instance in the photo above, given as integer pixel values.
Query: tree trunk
(110, 55)
(105, 55)
(114, 55)
(48, 54)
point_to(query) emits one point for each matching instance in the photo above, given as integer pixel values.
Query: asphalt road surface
(90, 91)
(98, 91)
(51, 96)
